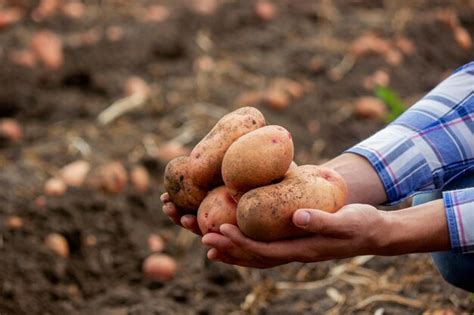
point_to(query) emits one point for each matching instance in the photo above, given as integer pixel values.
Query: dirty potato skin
(179, 185)
(265, 213)
(206, 157)
(216, 209)
(259, 158)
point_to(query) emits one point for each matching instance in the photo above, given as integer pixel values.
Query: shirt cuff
(398, 161)
(459, 206)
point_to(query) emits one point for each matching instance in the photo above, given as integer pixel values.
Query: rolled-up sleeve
(429, 145)
(459, 205)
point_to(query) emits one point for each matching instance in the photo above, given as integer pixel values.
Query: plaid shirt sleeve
(428, 146)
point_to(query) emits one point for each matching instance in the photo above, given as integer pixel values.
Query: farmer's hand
(362, 181)
(356, 229)
(187, 221)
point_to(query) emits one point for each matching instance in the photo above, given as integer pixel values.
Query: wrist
(415, 230)
(363, 183)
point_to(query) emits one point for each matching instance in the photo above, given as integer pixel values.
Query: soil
(58, 107)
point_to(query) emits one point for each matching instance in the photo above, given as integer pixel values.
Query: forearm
(363, 182)
(422, 228)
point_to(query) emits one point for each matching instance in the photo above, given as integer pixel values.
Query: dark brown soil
(56, 108)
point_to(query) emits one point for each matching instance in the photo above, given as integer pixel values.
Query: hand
(187, 221)
(355, 229)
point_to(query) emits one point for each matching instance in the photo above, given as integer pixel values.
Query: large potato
(179, 185)
(206, 157)
(265, 213)
(216, 209)
(259, 158)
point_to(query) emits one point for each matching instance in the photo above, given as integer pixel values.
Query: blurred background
(96, 96)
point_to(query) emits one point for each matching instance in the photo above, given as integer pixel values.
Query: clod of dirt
(140, 179)
(155, 243)
(74, 174)
(14, 222)
(48, 48)
(265, 11)
(10, 131)
(57, 244)
(370, 107)
(55, 187)
(159, 267)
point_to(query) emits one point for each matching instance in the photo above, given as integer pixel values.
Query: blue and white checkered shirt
(429, 145)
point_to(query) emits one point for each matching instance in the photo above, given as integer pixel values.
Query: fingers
(165, 197)
(217, 241)
(321, 222)
(215, 255)
(190, 223)
(172, 212)
(278, 251)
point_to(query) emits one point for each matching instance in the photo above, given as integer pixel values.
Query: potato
(206, 157)
(159, 267)
(265, 213)
(216, 209)
(178, 183)
(259, 158)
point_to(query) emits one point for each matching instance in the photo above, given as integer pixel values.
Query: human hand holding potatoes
(263, 187)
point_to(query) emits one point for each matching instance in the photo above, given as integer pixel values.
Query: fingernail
(205, 240)
(302, 218)
(183, 222)
(223, 228)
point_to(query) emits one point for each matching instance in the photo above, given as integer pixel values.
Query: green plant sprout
(392, 100)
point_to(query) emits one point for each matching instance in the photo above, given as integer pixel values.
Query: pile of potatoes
(242, 173)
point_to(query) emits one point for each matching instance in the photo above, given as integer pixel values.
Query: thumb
(320, 222)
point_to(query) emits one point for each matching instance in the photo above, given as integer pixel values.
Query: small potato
(57, 244)
(206, 157)
(181, 188)
(216, 209)
(159, 267)
(256, 159)
(265, 213)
